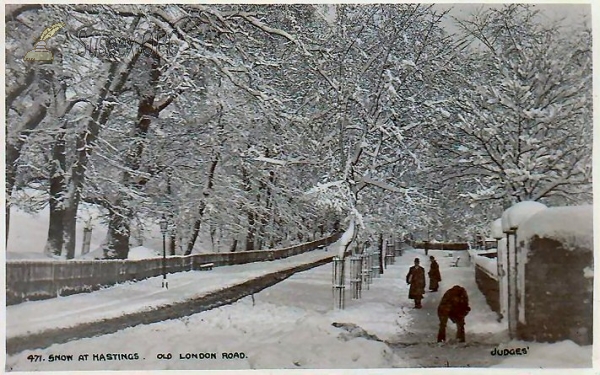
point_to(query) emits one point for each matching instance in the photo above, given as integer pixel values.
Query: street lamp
(163, 229)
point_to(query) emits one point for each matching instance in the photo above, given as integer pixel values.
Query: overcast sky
(572, 13)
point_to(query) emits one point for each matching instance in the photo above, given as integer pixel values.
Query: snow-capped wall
(572, 226)
(555, 252)
(518, 213)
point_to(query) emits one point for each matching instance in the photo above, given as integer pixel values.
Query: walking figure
(434, 275)
(416, 279)
(454, 305)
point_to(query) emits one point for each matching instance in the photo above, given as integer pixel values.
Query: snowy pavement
(293, 325)
(130, 297)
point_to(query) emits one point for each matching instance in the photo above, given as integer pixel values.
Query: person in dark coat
(434, 275)
(416, 279)
(454, 306)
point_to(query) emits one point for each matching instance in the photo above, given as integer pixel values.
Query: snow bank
(142, 252)
(518, 213)
(377, 318)
(573, 226)
(497, 229)
(564, 354)
(269, 335)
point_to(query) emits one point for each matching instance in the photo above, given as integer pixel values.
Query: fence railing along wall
(34, 280)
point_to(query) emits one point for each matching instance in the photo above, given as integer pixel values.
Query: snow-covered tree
(521, 127)
(381, 75)
(259, 125)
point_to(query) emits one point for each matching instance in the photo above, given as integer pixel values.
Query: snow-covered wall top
(497, 229)
(489, 265)
(572, 226)
(518, 213)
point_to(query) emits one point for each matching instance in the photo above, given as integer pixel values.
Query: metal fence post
(355, 276)
(375, 264)
(338, 282)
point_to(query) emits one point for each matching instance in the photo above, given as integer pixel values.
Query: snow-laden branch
(270, 160)
(383, 185)
(271, 30)
(323, 187)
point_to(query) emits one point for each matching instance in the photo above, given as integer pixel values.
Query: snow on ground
(33, 316)
(142, 252)
(294, 325)
(481, 321)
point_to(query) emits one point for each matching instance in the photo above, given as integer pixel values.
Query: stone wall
(558, 293)
(489, 287)
(28, 280)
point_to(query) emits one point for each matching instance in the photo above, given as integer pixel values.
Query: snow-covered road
(294, 325)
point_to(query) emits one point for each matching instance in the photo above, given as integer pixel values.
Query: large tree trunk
(210, 176)
(195, 229)
(117, 237)
(118, 74)
(148, 109)
(12, 154)
(69, 230)
(233, 246)
(55, 241)
(202, 206)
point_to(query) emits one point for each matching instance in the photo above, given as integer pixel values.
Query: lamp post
(163, 230)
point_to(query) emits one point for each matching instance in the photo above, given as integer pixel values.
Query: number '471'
(34, 357)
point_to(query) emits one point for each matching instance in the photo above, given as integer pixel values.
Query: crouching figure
(454, 305)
